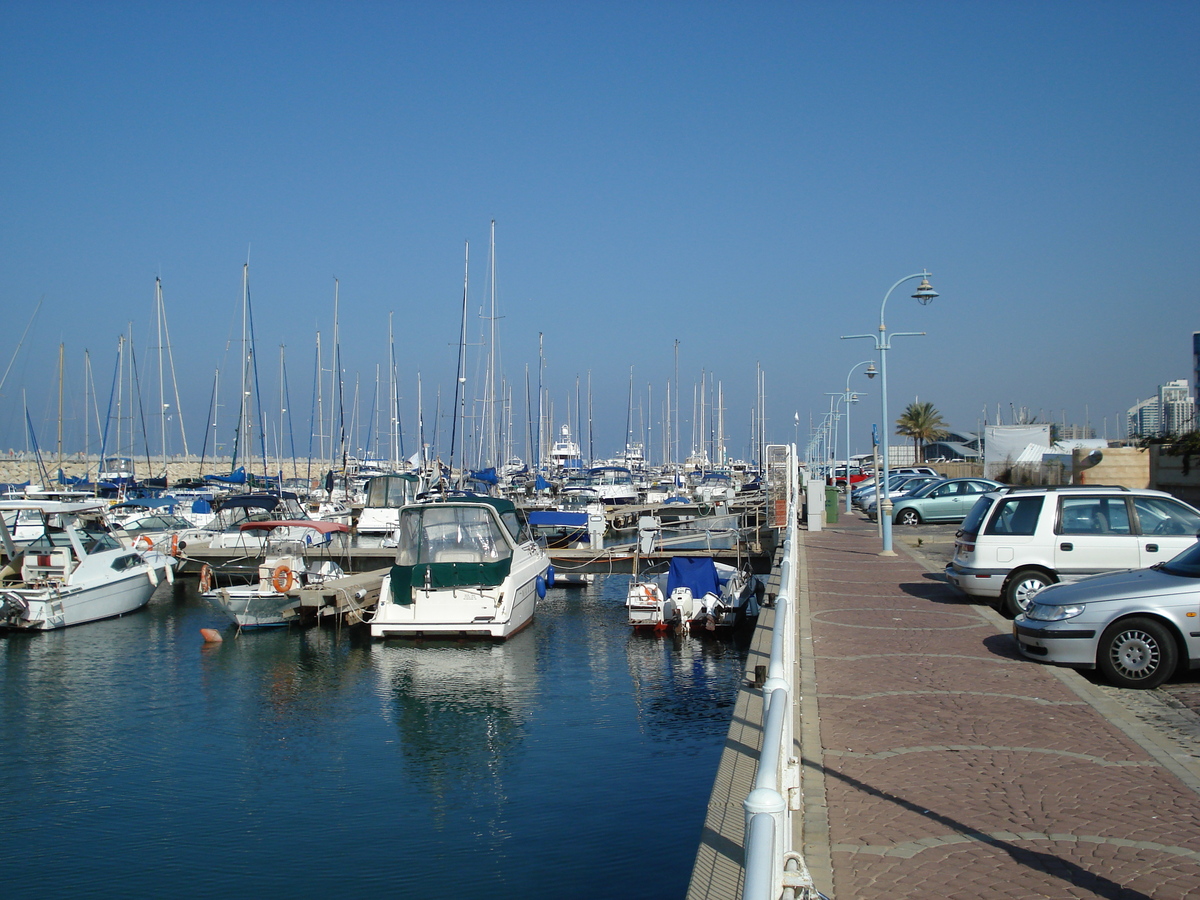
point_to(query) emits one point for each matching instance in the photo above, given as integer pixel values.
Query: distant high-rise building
(1178, 408)
(1170, 414)
(1075, 432)
(1196, 371)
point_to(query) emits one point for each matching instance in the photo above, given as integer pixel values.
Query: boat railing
(772, 864)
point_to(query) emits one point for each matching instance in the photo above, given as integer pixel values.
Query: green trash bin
(831, 504)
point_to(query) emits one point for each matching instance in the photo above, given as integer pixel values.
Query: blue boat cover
(557, 517)
(237, 476)
(696, 572)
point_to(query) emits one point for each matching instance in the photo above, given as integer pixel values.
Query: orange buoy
(211, 635)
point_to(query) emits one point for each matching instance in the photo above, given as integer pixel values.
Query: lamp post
(835, 397)
(925, 293)
(853, 398)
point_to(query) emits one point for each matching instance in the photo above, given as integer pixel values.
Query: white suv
(1016, 540)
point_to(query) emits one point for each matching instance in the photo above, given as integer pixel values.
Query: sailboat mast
(460, 390)
(162, 399)
(61, 352)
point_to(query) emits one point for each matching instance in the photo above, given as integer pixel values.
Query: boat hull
(47, 609)
(253, 609)
(494, 613)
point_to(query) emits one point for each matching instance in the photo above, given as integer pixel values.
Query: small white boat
(702, 595)
(297, 554)
(75, 571)
(386, 494)
(465, 567)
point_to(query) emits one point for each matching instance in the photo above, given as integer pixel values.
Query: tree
(922, 423)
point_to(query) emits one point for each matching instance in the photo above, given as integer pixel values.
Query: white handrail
(771, 863)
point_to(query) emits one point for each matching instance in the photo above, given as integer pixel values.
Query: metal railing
(772, 865)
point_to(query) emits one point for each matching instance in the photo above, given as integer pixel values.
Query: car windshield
(1186, 564)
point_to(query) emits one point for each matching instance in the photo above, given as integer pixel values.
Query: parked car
(865, 491)
(1137, 627)
(1016, 541)
(857, 474)
(910, 484)
(947, 500)
(914, 470)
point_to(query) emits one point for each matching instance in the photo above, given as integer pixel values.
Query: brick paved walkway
(948, 767)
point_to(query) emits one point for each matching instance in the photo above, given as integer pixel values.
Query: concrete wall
(1126, 466)
(1167, 474)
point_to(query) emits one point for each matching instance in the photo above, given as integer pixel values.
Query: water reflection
(461, 709)
(264, 762)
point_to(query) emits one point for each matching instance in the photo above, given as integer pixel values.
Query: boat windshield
(390, 492)
(450, 534)
(1186, 564)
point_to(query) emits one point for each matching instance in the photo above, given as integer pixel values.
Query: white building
(1170, 414)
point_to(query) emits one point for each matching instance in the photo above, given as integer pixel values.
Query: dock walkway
(938, 763)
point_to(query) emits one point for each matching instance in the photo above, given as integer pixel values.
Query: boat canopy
(258, 501)
(146, 503)
(449, 545)
(552, 517)
(699, 573)
(314, 524)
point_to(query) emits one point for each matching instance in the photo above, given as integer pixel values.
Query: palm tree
(922, 423)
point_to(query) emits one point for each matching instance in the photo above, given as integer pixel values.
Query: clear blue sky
(745, 178)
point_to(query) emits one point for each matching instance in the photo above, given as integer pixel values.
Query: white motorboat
(702, 595)
(75, 571)
(465, 567)
(297, 554)
(225, 530)
(386, 494)
(613, 484)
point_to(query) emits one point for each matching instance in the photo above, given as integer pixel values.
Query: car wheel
(908, 517)
(1019, 591)
(1137, 653)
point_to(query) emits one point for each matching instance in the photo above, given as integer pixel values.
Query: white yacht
(296, 554)
(386, 494)
(465, 567)
(75, 571)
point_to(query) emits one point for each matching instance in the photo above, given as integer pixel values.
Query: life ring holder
(282, 579)
(206, 578)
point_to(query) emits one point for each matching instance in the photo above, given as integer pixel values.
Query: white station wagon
(1017, 540)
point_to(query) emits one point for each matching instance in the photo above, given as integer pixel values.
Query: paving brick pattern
(952, 768)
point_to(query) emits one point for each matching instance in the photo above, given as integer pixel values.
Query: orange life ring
(282, 579)
(144, 542)
(206, 578)
(651, 595)
(174, 545)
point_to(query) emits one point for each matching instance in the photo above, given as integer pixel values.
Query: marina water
(575, 760)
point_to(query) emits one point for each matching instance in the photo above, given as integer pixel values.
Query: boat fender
(550, 576)
(282, 579)
(145, 542)
(206, 578)
(541, 587)
(211, 635)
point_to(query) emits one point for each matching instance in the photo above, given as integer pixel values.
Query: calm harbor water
(573, 761)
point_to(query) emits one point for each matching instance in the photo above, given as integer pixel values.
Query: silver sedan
(1137, 626)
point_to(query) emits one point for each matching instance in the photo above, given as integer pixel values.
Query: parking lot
(1174, 708)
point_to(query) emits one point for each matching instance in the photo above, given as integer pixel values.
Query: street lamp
(853, 398)
(925, 293)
